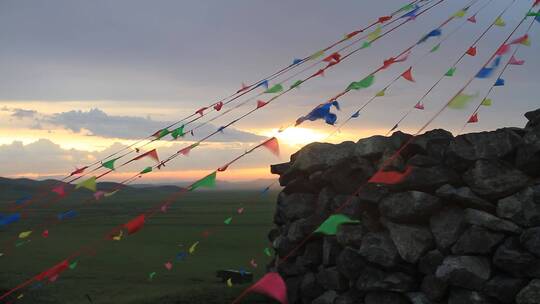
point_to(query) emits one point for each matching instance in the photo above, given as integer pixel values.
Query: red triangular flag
(514, 61)
(185, 151)
(135, 224)
(200, 111)
(505, 48)
(520, 40)
(473, 118)
(261, 103)
(244, 87)
(419, 106)
(536, 2)
(272, 286)
(352, 34)
(45, 233)
(53, 271)
(272, 144)
(408, 74)
(389, 177)
(472, 18)
(60, 190)
(152, 154)
(223, 168)
(333, 57)
(78, 171)
(471, 51)
(319, 73)
(383, 19)
(218, 106)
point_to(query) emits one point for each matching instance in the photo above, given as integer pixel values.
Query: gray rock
(433, 143)
(511, 258)
(409, 207)
(326, 298)
(293, 288)
(528, 159)
(418, 298)
(447, 226)
(346, 176)
(331, 250)
(411, 241)
(477, 240)
(420, 160)
(522, 207)
(350, 263)
(378, 248)
(429, 263)
(348, 205)
(321, 155)
(434, 288)
(463, 296)
(491, 222)
(373, 279)
(465, 271)
(298, 205)
(504, 288)
(385, 298)
(350, 235)
(325, 200)
(530, 239)
(279, 168)
(331, 279)
(374, 146)
(484, 145)
(494, 179)
(301, 228)
(309, 287)
(349, 297)
(429, 179)
(533, 117)
(530, 294)
(464, 197)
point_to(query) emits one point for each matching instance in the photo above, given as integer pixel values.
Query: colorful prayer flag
(383, 19)
(67, 215)
(499, 82)
(435, 48)
(520, 39)
(275, 89)
(381, 93)
(471, 51)
(316, 55)
(296, 84)
(362, 84)
(193, 247)
(272, 286)
(374, 35)
(460, 13)
(135, 224)
(146, 170)
(54, 271)
(178, 132)
(472, 18)
(227, 221)
(89, 184)
(408, 75)
(25, 234)
(208, 181)
(365, 44)
(486, 102)
(461, 101)
(356, 114)
(434, 33)
(390, 177)
(272, 145)
(78, 171)
(267, 251)
(110, 163)
(450, 72)
(201, 111)
(60, 190)
(473, 118)
(499, 22)
(514, 61)
(331, 224)
(419, 105)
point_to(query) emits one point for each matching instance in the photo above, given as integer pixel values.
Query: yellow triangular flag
(381, 93)
(317, 55)
(460, 13)
(500, 22)
(25, 234)
(119, 236)
(229, 282)
(193, 247)
(374, 35)
(486, 102)
(89, 184)
(526, 42)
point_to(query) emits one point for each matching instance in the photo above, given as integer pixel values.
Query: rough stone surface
(462, 227)
(409, 207)
(465, 271)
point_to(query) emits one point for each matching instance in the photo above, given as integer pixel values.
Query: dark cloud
(99, 123)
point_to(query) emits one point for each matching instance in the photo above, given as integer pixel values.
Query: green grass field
(119, 272)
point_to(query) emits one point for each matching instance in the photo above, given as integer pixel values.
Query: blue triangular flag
(434, 33)
(296, 61)
(485, 72)
(499, 82)
(263, 83)
(356, 114)
(220, 129)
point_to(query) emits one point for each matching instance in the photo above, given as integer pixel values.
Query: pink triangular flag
(244, 87)
(59, 190)
(472, 18)
(261, 103)
(520, 40)
(253, 263)
(514, 61)
(240, 210)
(272, 286)
(408, 75)
(98, 195)
(45, 234)
(419, 106)
(218, 106)
(201, 111)
(164, 207)
(272, 145)
(503, 49)
(168, 265)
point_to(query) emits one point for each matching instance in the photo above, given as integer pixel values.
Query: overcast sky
(82, 78)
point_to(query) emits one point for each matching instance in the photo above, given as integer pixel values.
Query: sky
(83, 79)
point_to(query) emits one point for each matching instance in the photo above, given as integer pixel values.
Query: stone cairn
(462, 227)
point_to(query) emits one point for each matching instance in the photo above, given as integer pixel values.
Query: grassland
(119, 272)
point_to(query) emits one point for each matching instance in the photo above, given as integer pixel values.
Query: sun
(297, 136)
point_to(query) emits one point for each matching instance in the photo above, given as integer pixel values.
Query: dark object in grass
(236, 276)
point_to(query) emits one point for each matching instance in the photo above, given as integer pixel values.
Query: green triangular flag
(178, 132)
(406, 7)
(450, 72)
(317, 55)
(460, 13)
(110, 163)
(146, 170)
(161, 133)
(73, 265)
(275, 89)
(362, 84)
(151, 275)
(365, 44)
(227, 221)
(486, 102)
(435, 48)
(267, 251)
(533, 14)
(330, 226)
(296, 84)
(208, 181)
(89, 184)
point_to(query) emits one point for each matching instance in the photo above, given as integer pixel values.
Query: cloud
(22, 113)
(99, 123)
